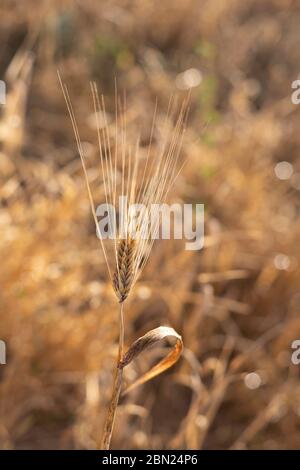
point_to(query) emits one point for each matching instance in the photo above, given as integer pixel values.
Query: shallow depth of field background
(236, 302)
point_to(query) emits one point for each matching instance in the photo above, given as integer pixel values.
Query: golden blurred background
(235, 302)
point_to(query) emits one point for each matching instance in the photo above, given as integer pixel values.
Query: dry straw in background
(148, 184)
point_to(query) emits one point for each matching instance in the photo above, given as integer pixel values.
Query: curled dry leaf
(144, 342)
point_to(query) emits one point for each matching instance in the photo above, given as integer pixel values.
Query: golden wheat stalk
(147, 186)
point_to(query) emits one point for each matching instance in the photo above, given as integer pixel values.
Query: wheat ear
(124, 274)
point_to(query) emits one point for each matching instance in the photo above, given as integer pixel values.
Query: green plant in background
(112, 50)
(208, 98)
(208, 171)
(205, 49)
(207, 52)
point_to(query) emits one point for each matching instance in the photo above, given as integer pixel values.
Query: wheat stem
(117, 384)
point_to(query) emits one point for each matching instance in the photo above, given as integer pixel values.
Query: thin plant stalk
(133, 240)
(116, 388)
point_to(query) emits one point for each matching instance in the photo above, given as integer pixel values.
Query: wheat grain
(123, 276)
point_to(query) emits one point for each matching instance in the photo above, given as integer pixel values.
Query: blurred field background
(236, 302)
